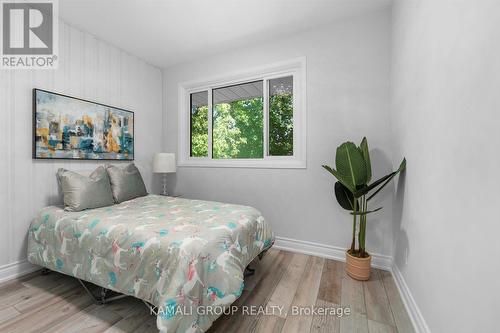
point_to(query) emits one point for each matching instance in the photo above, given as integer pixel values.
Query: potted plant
(353, 192)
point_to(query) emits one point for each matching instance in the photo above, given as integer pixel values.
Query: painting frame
(130, 157)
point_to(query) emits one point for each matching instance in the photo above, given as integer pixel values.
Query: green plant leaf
(338, 176)
(351, 165)
(344, 196)
(366, 156)
(366, 212)
(384, 180)
(402, 166)
(380, 188)
(364, 190)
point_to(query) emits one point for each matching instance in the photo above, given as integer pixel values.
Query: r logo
(27, 28)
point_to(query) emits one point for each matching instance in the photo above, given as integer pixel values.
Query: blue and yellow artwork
(71, 128)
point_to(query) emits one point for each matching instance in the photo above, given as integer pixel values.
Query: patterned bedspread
(184, 256)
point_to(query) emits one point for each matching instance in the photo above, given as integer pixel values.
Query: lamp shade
(164, 163)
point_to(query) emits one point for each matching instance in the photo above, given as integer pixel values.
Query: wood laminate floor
(283, 281)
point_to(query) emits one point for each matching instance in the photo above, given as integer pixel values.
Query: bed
(180, 255)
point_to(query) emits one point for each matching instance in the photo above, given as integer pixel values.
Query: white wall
(348, 97)
(88, 68)
(445, 117)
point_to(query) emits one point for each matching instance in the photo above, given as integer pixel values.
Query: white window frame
(295, 68)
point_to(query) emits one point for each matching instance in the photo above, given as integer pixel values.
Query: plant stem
(362, 227)
(360, 237)
(353, 244)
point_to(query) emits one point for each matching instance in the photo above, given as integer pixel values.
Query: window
(237, 118)
(254, 119)
(199, 124)
(281, 116)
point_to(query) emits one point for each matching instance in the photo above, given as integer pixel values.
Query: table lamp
(164, 163)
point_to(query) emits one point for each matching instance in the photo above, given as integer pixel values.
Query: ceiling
(167, 32)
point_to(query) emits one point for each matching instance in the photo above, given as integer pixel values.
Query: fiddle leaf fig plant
(353, 172)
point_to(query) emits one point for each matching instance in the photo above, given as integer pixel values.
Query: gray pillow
(126, 183)
(81, 192)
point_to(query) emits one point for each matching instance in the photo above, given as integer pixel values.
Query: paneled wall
(88, 68)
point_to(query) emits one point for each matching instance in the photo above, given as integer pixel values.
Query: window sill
(244, 163)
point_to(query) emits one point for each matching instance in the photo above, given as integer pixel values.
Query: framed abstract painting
(66, 127)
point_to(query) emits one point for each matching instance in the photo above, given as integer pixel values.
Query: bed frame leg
(107, 300)
(96, 301)
(102, 298)
(249, 271)
(262, 254)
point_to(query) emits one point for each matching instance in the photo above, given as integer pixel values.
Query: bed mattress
(182, 255)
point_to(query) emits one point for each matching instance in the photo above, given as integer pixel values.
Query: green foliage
(366, 156)
(351, 166)
(344, 196)
(199, 131)
(238, 128)
(281, 124)
(353, 174)
(384, 181)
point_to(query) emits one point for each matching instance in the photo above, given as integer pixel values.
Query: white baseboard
(327, 251)
(412, 308)
(16, 269)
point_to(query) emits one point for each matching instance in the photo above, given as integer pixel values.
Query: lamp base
(164, 191)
